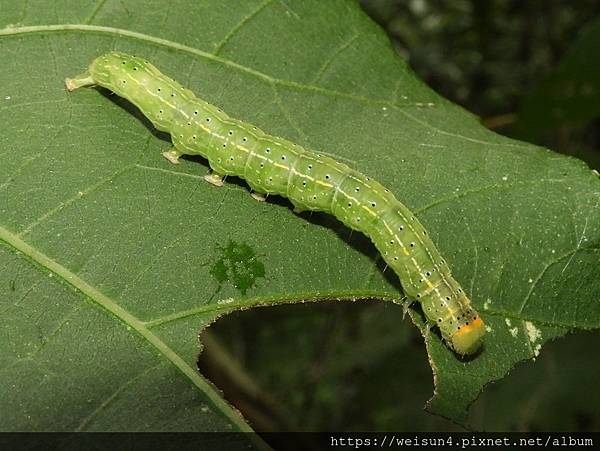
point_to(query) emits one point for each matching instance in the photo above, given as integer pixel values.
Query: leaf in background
(350, 350)
(113, 259)
(570, 95)
(555, 393)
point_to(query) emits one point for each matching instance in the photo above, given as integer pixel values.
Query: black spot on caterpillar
(272, 165)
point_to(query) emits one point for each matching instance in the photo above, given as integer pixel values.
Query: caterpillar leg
(298, 207)
(214, 179)
(406, 303)
(172, 155)
(258, 196)
(79, 81)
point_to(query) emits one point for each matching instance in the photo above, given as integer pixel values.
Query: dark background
(530, 70)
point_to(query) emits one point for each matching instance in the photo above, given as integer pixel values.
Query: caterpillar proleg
(311, 181)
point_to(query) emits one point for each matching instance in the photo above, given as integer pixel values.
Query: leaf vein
(239, 26)
(112, 307)
(11, 31)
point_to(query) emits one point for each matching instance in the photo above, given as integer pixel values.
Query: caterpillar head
(469, 336)
(460, 325)
(465, 336)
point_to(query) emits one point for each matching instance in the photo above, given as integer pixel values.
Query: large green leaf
(113, 259)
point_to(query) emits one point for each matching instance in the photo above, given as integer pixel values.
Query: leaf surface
(113, 259)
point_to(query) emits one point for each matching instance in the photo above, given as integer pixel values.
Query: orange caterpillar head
(469, 337)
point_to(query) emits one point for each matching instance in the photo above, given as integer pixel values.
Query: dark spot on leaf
(238, 264)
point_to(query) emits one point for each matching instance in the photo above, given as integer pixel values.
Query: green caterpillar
(272, 165)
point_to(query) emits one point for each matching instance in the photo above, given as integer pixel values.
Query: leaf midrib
(399, 106)
(10, 31)
(128, 319)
